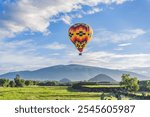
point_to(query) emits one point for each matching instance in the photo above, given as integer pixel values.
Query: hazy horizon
(74, 67)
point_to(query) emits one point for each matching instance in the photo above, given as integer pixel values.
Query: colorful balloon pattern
(80, 34)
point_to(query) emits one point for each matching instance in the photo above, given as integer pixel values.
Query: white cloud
(121, 1)
(5, 34)
(103, 35)
(112, 60)
(67, 19)
(24, 55)
(36, 15)
(55, 46)
(119, 49)
(124, 44)
(93, 10)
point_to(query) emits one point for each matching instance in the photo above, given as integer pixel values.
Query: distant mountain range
(102, 78)
(65, 80)
(141, 70)
(73, 72)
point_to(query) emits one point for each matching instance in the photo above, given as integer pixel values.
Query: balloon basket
(80, 54)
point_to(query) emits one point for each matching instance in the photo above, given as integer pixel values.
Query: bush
(48, 83)
(19, 82)
(144, 85)
(28, 82)
(12, 84)
(35, 82)
(4, 82)
(131, 84)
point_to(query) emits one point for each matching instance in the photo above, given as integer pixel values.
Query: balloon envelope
(80, 34)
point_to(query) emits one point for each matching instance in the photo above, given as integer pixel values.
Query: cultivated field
(55, 93)
(46, 93)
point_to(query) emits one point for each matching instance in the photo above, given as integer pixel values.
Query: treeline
(97, 89)
(144, 85)
(20, 82)
(128, 87)
(16, 82)
(128, 83)
(132, 84)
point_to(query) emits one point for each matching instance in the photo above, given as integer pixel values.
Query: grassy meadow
(55, 93)
(46, 93)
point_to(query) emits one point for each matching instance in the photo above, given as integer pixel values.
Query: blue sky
(34, 34)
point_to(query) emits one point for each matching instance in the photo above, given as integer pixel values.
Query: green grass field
(52, 93)
(46, 93)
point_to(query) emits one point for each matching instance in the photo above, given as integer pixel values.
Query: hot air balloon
(80, 34)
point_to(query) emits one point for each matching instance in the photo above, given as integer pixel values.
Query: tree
(19, 82)
(28, 82)
(4, 82)
(12, 84)
(148, 85)
(50, 83)
(125, 79)
(131, 84)
(102, 96)
(134, 84)
(35, 82)
(144, 85)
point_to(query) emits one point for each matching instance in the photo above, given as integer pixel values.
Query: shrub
(12, 84)
(4, 82)
(28, 82)
(19, 82)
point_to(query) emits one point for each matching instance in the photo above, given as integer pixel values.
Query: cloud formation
(103, 35)
(112, 60)
(124, 44)
(36, 15)
(55, 46)
(24, 55)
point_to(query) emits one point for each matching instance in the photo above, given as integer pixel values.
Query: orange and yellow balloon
(80, 34)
